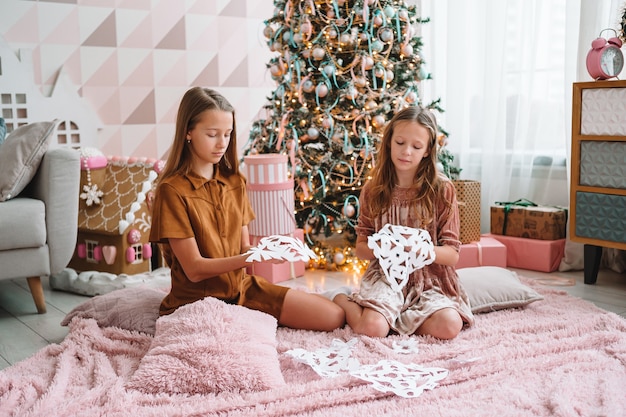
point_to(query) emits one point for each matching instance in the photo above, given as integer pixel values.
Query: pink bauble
(321, 90)
(318, 54)
(349, 210)
(371, 105)
(378, 121)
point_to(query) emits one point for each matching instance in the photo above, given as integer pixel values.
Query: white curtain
(504, 71)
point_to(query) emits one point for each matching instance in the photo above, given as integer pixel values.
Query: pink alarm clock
(605, 59)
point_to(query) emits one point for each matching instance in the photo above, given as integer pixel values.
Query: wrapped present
(275, 273)
(268, 168)
(532, 254)
(273, 206)
(468, 198)
(271, 195)
(485, 252)
(523, 218)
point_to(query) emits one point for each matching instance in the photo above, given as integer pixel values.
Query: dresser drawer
(603, 164)
(601, 216)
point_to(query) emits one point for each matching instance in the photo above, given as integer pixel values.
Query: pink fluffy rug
(557, 357)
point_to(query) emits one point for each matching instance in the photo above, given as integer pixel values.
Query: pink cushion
(208, 347)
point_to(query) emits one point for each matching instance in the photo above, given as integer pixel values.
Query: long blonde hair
(194, 102)
(426, 181)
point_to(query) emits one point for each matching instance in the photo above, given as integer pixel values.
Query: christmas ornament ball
(339, 258)
(349, 210)
(378, 121)
(390, 11)
(321, 90)
(318, 54)
(308, 86)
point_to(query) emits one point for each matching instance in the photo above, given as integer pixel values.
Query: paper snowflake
(286, 248)
(91, 194)
(400, 250)
(329, 362)
(404, 380)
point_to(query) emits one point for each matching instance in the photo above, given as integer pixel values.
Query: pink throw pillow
(210, 346)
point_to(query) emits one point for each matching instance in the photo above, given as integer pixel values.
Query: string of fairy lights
(342, 69)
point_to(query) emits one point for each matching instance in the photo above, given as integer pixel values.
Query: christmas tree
(342, 69)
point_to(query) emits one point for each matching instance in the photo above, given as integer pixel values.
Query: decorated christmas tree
(342, 69)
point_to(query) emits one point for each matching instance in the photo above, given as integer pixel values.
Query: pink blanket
(558, 357)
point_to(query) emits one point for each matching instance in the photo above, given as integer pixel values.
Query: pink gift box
(275, 273)
(273, 206)
(267, 168)
(532, 254)
(486, 252)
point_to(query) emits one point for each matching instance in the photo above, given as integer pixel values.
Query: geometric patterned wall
(132, 60)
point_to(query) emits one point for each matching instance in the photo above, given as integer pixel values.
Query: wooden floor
(23, 332)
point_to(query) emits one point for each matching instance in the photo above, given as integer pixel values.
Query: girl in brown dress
(200, 216)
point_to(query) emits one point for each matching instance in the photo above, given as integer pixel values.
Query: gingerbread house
(115, 213)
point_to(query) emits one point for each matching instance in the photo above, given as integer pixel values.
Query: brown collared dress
(213, 212)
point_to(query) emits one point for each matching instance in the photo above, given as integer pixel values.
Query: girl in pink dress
(406, 189)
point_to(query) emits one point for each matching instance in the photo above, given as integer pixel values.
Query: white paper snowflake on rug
(328, 362)
(400, 250)
(404, 380)
(280, 247)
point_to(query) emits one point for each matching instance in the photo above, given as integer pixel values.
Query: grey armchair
(38, 228)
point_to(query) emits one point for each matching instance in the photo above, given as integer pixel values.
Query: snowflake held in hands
(91, 194)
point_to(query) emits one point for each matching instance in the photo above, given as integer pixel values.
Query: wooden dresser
(598, 168)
